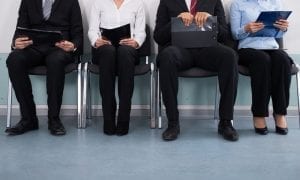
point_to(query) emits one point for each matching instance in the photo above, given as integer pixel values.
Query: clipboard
(193, 36)
(268, 18)
(116, 35)
(40, 37)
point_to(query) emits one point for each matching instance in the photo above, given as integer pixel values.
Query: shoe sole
(11, 133)
(229, 139)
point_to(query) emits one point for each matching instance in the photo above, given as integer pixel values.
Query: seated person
(58, 15)
(172, 59)
(269, 66)
(116, 59)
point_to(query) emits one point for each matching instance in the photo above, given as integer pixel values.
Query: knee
(262, 61)
(230, 57)
(167, 57)
(58, 59)
(15, 59)
(127, 55)
(103, 52)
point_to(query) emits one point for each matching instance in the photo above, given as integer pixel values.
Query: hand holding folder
(40, 37)
(116, 35)
(193, 36)
(269, 18)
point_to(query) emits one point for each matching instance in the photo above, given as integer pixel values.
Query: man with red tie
(172, 59)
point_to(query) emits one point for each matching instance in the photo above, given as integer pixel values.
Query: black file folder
(40, 36)
(117, 34)
(193, 36)
(268, 18)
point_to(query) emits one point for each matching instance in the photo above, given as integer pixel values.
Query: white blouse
(105, 14)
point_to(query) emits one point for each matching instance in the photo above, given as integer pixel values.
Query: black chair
(194, 72)
(42, 71)
(294, 71)
(140, 69)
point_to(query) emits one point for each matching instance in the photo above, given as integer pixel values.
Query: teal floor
(199, 153)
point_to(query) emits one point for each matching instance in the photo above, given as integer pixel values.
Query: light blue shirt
(243, 12)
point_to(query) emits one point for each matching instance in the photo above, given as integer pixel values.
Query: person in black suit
(172, 59)
(58, 15)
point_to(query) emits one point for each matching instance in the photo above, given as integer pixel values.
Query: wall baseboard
(143, 110)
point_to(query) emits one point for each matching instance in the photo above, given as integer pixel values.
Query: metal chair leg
(158, 101)
(84, 94)
(216, 108)
(89, 96)
(79, 96)
(9, 104)
(152, 107)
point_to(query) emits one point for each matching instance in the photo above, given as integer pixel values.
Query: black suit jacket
(172, 8)
(65, 17)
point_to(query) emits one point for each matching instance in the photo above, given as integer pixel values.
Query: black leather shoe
(226, 129)
(109, 128)
(261, 131)
(281, 131)
(56, 127)
(122, 128)
(22, 127)
(171, 133)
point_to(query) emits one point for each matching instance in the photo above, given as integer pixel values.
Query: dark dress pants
(116, 61)
(217, 58)
(270, 72)
(18, 64)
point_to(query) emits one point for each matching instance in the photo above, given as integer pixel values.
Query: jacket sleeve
(23, 20)
(76, 28)
(223, 32)
(162, 30)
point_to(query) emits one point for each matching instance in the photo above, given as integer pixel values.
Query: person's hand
(22, 42)
(65, 45)
(254, 27)
(129, 42)
(187, 18)
(282, 24)
(201, 17)
(100, 42)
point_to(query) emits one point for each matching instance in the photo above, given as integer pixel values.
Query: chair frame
(86, 99)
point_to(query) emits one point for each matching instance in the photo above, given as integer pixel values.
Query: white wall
(9, 8)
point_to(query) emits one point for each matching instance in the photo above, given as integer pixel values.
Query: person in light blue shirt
(269, 66)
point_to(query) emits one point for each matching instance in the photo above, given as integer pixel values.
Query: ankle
(259, 122)
(280, 120)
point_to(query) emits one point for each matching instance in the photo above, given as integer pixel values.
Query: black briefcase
(193, 36)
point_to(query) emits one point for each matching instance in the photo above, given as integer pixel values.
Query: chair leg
(216, 108)
(158, 101)
(298, 94)
(84, 114)
(9, 104)
(79, 97)
(152, 109)
(89, 96)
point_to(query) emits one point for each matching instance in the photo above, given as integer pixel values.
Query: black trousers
(270, 72)
(18, 64)
(116, 61)
(217, 58)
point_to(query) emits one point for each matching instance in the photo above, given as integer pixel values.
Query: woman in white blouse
(118, 59)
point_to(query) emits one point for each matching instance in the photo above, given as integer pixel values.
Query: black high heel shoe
(261, 131)
(280, 130)
(122, 128)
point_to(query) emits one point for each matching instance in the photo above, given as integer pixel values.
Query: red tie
(193, 7)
